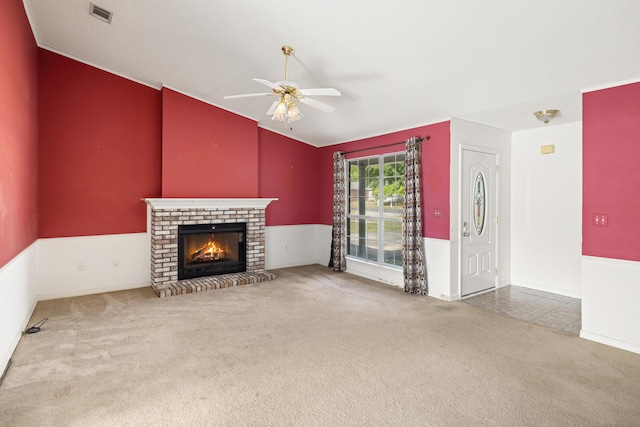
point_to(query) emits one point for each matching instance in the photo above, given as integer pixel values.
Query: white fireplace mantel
(184, 203)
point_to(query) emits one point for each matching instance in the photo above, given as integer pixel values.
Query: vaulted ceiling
(397, 64)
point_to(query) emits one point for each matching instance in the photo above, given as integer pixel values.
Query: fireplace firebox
(211, 249)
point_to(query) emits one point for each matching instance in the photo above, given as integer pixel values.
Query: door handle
(465, 233)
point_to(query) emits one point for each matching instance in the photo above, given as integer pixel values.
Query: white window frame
(380, 218)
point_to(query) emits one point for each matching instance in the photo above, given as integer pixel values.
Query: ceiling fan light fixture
(284, 109)
(546, 116)
(281, 112)
(294, 112)
(287, 110)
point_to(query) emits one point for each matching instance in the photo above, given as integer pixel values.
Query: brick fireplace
(164, 216)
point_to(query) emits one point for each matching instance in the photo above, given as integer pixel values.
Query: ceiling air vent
(101, 14)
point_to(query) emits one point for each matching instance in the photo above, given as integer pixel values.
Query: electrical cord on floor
(36, 328)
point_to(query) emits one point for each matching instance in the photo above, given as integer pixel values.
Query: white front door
(479, 229)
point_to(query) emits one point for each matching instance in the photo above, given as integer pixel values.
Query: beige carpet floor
(311, 348)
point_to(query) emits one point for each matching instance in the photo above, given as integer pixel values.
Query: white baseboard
(610, 342)
(447, 298)
(557, 291)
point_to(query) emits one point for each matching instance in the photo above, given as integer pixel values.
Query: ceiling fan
(284, 109)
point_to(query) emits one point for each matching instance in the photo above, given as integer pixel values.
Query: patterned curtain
(339, 234)
(415, 279)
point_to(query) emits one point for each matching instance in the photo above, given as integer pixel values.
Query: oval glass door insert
(479, 203)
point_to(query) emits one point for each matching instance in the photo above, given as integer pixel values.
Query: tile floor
(542, 308)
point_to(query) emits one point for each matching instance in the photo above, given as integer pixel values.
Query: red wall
(611, 175)
(18, 132)
(435, 173)
(107, 142)
(288, 171)
(206, 151)
(436, 168)
(99, 150)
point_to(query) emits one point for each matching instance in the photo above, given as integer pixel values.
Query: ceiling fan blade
(272, 109)
(247, 95)
(324, 91)
(316, 104)
(267, 83)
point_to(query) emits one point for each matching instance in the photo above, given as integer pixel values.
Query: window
(376, 199)
(480, 208)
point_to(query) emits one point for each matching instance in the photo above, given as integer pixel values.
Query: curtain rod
(426, 138)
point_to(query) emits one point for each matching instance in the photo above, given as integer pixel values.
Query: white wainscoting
(293, 245)
(437, 253)
(610, 295)
(368, 270)
(73, 266)
(438, 256)
(18, 287)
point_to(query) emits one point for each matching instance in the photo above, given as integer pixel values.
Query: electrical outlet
(81, 266)
(600, 220)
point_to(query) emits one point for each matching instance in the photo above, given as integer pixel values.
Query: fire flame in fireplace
(209, 252)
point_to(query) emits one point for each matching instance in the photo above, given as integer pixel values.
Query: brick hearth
(164, 217)
(209, 283)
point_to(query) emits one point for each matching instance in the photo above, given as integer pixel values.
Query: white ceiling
(398, 64)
